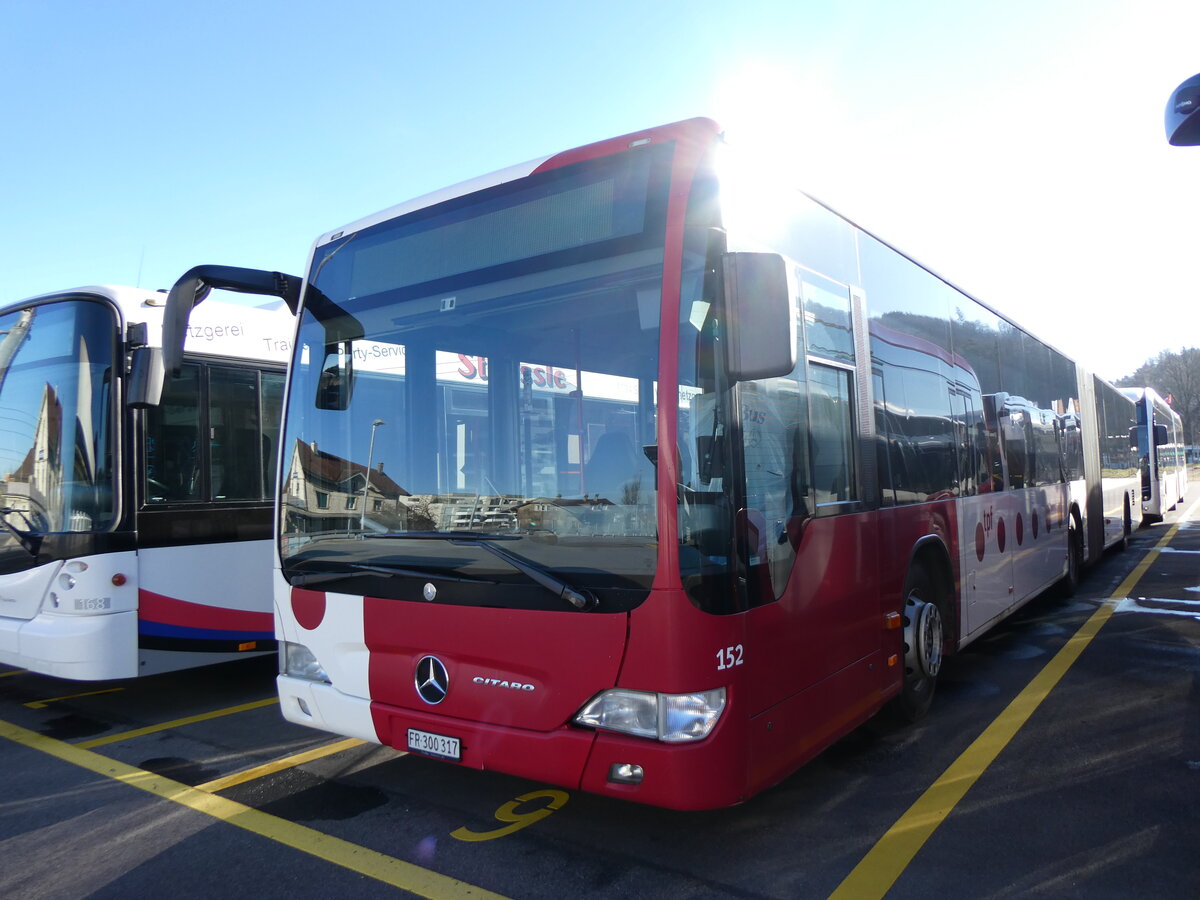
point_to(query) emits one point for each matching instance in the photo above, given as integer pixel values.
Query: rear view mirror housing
(760, 308)
(144, 386)
(336, 383)
(1183, 114)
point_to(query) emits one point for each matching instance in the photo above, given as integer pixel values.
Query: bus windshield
(480, 375)
(56, 397)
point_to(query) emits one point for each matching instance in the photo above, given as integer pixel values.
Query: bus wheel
(922, 646)
(1070, 581)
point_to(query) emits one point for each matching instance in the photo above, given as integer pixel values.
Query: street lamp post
(362, 516)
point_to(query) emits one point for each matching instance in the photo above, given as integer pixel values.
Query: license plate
(433, 744)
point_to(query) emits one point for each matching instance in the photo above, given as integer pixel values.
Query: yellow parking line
(886, 861)
(42, 704)
(287, 762)
(175, 723)
(361, 860)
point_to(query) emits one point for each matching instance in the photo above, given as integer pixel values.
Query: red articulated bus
(634, 471)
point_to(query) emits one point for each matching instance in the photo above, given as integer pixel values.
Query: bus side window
(271, 410)
(834, 476)
(172, 434)
(235, 460)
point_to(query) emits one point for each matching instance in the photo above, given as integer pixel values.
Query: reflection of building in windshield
(56, 385)
(558, 515)
(328, 493)
(459, 513)
(38, 487)
(33, 485)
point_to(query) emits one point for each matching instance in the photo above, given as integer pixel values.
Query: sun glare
(789, 117)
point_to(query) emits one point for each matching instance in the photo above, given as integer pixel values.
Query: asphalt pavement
(1061, 759)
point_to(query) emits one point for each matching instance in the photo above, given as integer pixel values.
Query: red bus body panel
(813, 665)
(523, 669)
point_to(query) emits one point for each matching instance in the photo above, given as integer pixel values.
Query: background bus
(771, 471)
(1161, 450)
(135, 541)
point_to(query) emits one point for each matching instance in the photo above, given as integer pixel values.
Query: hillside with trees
(1176, 376)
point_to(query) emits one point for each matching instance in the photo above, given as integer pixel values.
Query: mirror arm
(195, 285)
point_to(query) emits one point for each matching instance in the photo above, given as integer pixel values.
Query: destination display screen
(559, 211)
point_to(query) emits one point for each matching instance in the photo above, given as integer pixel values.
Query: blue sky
(1015, 148)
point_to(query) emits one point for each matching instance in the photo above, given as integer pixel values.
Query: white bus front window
(56, 395)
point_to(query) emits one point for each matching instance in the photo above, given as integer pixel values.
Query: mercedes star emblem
(431, 680)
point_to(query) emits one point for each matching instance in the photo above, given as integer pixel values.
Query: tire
(1070, 581)
(923, 618)
(1126, 530)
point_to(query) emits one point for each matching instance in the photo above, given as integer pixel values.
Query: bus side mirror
(1183, 114)
(760, 313)
(1133, 438)
(1160, 436)
(336, 382)
(143, 387)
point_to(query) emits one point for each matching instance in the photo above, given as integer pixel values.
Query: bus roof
(217, 327)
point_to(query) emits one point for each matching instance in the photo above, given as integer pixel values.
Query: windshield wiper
(357, 570)
(27, 539)
(552, 583)
(484, 540)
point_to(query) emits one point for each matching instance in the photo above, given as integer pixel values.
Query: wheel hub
(923, 638)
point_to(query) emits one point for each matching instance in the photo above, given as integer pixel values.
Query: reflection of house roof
(321, 466)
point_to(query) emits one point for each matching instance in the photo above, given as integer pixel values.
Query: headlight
(630, 712)
(666, 717)
(689, 717)
(298, 661)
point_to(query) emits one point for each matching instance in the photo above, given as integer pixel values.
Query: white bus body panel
(339, 644)
(85, 631)
(90, 630)
(217, 327)
(328, 708)
(227, 576)
(1007, 555)
(1121, 494)
(205, 588)
(22, 593)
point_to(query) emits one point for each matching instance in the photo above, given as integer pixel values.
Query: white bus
(1161, 451)
(136, 538)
